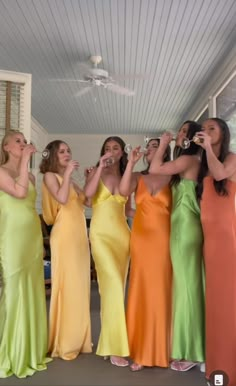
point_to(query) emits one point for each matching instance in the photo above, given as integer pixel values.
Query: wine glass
(148, 139)
(44, 154)
(186, 142)
(128, 148)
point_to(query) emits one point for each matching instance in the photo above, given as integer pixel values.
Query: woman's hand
(205, 139)
(71, 166)
(135, 155)
(103, 160)
(88, 170)
(165, 139)
(27, 152)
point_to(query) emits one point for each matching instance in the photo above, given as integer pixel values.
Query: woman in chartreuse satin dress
(150, 282)
(69, 317)
(218, 215)
(186, 243)
(109, 236)
(23, 320)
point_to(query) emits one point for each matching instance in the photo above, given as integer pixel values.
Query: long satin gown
(188, 275)
(218, 215)
(150, 282)
(110, 236)
(23, 320)
(69, 317)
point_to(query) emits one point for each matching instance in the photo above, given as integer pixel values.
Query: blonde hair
(4, 156)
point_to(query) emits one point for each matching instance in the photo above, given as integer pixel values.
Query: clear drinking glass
(110, 161)
(44, 154)
(128, 148)
(186, 142)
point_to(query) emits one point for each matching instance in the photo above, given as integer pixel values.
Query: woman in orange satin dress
(149, 294)
(217, 190)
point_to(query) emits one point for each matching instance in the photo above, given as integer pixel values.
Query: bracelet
(25, 187)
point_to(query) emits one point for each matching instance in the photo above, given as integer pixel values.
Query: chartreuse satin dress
(69, 316)
(23, 323)
(188, 274)
(150, 282)
(109, 236)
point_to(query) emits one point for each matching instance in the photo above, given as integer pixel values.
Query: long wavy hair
(51, 164)
(220, 186)
(123, 159)
(4, 156)
(167, 155)
(193, 128)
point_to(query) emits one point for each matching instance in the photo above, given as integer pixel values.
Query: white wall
(39, 137)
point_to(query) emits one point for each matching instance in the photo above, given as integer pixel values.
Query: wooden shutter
(15, 103)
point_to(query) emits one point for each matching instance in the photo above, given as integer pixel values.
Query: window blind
(12, 100)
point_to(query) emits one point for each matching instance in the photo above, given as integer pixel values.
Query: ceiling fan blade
(83, 91)
(129, 76)
(69, 80)
(119, 89)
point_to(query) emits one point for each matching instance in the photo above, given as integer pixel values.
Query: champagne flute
(148, 139)
(187, 142)
(128, 148)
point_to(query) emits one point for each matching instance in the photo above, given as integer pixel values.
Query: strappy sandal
(119, 361)
(182, 365)
(136, 367)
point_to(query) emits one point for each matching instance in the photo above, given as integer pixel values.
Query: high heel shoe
(136, 367)
(119, 361)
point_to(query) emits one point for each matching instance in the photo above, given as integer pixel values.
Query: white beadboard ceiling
(164, 50)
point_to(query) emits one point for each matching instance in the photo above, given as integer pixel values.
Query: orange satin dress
(218, 215)
(149, 294)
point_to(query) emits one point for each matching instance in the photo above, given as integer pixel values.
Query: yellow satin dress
(109, 236)
(69, 318)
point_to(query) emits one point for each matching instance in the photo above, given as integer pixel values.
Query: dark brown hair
(124, 158)
(220, 186)
(193, 128)
(167, 155)
(51, 164)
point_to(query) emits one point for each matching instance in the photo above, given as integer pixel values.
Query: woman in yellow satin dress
(69, 319)
(109, 236)
(148, 311)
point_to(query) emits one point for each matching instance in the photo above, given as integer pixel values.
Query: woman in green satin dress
(186, 243)
(23, 323)
(109, 236)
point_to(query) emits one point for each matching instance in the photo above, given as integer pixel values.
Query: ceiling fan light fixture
(95, 59)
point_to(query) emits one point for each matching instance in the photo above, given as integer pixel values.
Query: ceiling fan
(97, 77)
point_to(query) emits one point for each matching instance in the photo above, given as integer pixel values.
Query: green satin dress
(188, 274)
(23, 323)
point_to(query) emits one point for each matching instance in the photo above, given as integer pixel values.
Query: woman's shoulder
(231, 156)
(49, 176)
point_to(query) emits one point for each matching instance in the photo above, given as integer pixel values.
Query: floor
(91, 370)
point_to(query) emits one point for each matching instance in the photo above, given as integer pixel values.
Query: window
(203, 115)
(15, 102)
(226, 108)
